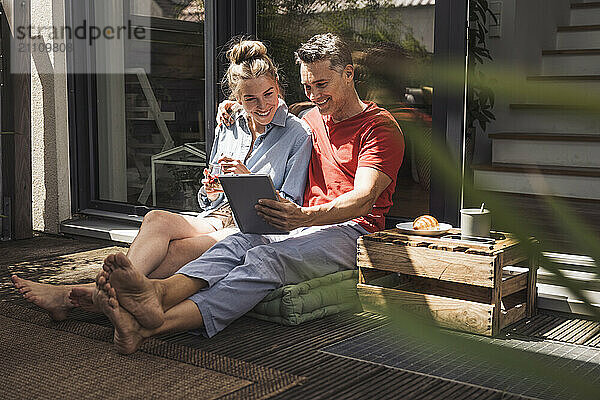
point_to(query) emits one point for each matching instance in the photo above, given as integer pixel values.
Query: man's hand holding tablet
(244, 192)
(282, 213)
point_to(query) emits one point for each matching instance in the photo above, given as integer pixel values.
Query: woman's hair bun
(248, 59)
(246, 50)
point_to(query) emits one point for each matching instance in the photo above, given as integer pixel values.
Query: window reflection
(155, 105)
(393, 49)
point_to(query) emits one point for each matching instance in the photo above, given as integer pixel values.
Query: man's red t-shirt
(370, 139)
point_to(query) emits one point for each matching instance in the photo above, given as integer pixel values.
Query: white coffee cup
(475, 222)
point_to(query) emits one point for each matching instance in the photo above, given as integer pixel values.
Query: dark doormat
(388, 347)
(46, 246)
(74, 359)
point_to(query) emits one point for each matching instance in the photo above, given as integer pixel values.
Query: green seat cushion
(316, 298)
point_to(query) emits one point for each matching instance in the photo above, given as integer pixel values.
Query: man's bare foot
(127, 336)
(82, 296)
(135, 293)
(52, 298)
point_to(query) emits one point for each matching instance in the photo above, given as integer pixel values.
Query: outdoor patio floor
(298, 350)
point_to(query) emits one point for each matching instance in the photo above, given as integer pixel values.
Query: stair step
(540, 169)
(570, 182)
(546, 149)
(570, 52)
(578, 28)
(578, 37)
(585, 14)
(576, 108)
(573, 262)
(552, 118)
(547, 119)
(559, 137)
(581, 269)
(571, 63)
(592, 4)
(587, 280)
(551, 89)
(559, 298)
(563, 78)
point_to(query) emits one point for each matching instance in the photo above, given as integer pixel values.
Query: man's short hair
(325, 46)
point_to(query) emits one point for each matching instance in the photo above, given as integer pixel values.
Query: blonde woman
(264, 138)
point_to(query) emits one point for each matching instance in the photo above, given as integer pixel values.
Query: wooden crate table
(474, 287)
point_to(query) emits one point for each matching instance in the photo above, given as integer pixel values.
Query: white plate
(406, 227)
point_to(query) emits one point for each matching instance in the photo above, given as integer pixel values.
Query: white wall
(51, 191)
(528, 27)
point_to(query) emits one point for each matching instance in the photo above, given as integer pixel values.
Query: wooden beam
(459, 267)
(497, 293)
(534, 263)
(453, 290)
(514, 284)
(449, 313)
(513, 315)
(21, 93)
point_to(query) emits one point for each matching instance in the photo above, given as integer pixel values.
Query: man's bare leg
(126, 337)
(144, 298)
(129, 335)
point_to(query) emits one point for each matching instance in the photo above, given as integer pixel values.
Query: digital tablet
(243, 192)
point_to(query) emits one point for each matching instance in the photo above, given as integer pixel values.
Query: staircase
(551, 147)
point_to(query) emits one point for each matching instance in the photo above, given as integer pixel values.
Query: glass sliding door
(393, 51)
(150, 145)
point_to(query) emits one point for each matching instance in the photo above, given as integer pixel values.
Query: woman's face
(260, 98)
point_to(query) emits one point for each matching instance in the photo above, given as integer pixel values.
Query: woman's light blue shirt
(282, 151)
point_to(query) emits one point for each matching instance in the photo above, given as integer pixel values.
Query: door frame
(448, 111)
(15, 116)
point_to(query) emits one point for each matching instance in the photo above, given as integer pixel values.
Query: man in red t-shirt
(358, 149)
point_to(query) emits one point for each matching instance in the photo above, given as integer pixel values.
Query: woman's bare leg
(147, 251)
(52, 298)
(183, 251)
(158, 229)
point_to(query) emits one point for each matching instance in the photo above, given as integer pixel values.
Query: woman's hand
(227, 109)
(232, 166)
(212, 188)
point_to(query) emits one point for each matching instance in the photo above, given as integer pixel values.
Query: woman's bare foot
(135, 293)
(52, 298)
(82, 296)
(127, 337)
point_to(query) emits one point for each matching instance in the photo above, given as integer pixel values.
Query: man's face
(329, 89)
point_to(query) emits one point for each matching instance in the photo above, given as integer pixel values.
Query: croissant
(425, 222)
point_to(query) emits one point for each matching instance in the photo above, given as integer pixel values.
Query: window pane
(393, 51)
(184, 10)
(151, 114)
